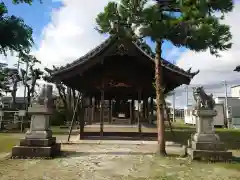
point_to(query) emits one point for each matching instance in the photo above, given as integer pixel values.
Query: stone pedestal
(38, 141)
(205, 143)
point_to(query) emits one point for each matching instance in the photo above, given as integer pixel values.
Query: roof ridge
(111, 39)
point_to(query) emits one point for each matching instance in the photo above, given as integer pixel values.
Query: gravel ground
(113, 162)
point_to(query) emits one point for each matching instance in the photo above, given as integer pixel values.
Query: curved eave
(237, 69)
(112, 40)
(84, 58)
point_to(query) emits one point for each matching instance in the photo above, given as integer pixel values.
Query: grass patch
(183, 132)
(170, 168)
(7, 142)
(232, 165)
(62, 131)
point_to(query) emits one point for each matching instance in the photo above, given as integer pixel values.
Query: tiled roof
(138, 44)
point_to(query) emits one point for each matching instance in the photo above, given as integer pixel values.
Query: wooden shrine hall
(113, 76)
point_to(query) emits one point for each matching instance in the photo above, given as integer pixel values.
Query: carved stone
(38, 141)
(202, 99)
(205, 143)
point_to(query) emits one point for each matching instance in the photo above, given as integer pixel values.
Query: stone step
(217, 146)
(36, 152)
(38, 142)
(209, 155)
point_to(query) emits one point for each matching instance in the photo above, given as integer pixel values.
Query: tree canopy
(15, 35)
(196, 26)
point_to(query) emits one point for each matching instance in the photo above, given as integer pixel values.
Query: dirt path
(113, 162)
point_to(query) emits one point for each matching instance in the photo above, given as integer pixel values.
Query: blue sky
(212, 70)
(39, 15)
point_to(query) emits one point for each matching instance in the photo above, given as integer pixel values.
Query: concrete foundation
(36, 148)
(38, 142)
(205, 143)
(209, 155)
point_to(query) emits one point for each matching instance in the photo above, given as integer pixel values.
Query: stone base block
(210, 155)
(218, 146)
(36, 152)
(204, 137)
(38, 142)
(41, 134)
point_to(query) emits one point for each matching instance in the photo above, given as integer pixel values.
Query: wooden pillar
(147, 109)
(82, 117)
(139, 108)
(93, 109)
(97, 118)
(132, 111)
(102, 111)
(144, 108)
(151, 108)
(90, 110)
(110, 112)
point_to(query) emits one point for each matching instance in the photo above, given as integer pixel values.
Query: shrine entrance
(121, 109)
(116, 79)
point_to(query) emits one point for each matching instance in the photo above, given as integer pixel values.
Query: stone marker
(205, 143)
(38, 141)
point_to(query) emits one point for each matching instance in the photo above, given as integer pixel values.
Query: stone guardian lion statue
(202, 99)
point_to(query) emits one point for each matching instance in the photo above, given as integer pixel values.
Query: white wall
(235, 91)
(231, 101)
(218, 120)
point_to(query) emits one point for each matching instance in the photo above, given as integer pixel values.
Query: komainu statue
(203, 101)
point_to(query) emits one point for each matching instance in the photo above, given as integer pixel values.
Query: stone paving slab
(171, 147)
(111, 162)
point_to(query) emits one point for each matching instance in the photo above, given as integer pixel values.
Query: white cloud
(212, 69)
(71, 33)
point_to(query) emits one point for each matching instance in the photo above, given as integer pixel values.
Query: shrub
(58, 118)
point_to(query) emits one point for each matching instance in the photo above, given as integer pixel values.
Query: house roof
(139, 45)
(235, 86)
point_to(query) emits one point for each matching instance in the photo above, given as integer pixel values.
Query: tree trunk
(159, 98)
(28, 98)
(13, 99)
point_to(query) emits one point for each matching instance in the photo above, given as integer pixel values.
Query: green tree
(15, 35)
(4, 83)
(30, 75)
(12, 79)
(196, 26)
(68, 97)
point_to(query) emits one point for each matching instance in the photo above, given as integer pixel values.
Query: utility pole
(226, 97)
(228, 119)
